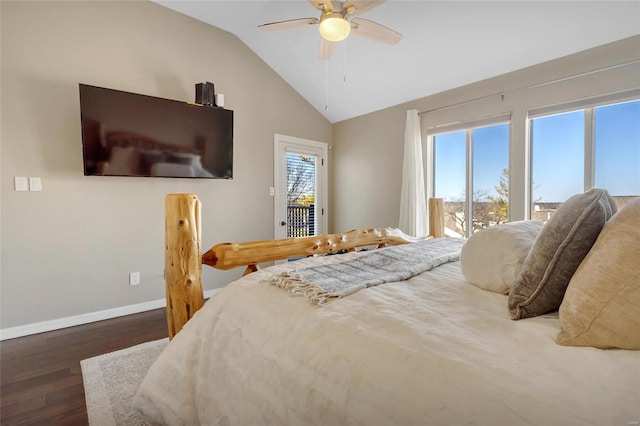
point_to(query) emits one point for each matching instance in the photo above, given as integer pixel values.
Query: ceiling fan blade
(374, 31)
(323, 5)
(286, 25)
(356, 7)
(326, 49)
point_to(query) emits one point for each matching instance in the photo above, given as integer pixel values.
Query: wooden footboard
(250, 254)
(183, 261)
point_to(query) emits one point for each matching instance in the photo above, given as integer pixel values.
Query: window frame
(468, 127)
(588, 106)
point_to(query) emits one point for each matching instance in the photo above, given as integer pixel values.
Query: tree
(307, 200)
(500, 204)
(456, 212)
(300, 179)
(488, 210)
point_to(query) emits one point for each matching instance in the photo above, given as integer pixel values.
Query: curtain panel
(413, 202)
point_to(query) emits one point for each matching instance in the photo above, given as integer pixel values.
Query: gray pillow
(557, 252)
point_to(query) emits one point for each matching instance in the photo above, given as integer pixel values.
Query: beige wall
(368, 150)
(68, 250)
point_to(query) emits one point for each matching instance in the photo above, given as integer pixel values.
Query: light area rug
(111, 380)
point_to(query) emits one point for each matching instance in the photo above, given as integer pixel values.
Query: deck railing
(301, 221)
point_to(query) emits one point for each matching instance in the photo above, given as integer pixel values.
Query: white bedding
(433, 350)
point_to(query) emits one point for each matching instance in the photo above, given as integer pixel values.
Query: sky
(557, 155)
(491, 157)
(618, 170)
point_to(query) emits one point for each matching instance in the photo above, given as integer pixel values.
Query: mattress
(429, 350)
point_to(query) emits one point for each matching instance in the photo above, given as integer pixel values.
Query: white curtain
(413, 204)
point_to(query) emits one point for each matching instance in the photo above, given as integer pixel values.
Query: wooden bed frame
(183, 259)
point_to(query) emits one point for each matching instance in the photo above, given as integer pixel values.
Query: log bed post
(436, 217)
(183, 264)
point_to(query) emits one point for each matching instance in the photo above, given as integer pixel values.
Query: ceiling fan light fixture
(334, 27)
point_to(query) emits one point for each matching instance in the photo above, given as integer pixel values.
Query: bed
(441, 347)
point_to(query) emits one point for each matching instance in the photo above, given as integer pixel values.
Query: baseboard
(41, 327)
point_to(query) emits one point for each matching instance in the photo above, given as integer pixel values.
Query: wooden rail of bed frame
(183, 262)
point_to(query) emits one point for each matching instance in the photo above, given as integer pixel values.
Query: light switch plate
(35, 184)
(21, 184)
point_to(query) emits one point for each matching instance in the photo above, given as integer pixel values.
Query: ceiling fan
(337, 20)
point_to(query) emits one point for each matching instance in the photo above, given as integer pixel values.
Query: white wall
(368, 149)
(68, 250)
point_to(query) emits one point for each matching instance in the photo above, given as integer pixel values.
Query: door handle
(283, 223)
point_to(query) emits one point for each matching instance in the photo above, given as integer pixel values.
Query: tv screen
(126, 134)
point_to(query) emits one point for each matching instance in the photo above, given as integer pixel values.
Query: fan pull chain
(344, 61)
(326, 84)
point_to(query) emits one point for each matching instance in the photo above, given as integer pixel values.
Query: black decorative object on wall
(205, 94)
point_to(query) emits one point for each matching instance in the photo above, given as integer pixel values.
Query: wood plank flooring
(40, 376)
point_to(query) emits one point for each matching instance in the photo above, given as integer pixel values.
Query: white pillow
(491, 258)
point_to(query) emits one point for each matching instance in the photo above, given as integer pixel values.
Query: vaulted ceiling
(445, 44)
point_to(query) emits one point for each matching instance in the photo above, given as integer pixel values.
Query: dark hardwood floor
(40, 376)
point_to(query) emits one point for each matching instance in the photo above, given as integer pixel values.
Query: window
(617, 148)
(574, 151)
(558, 161)
(472, 161)
(301, 194)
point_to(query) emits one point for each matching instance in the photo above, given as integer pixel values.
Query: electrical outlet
(134, 278)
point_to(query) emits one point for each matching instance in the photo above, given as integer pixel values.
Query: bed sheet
(430, 350)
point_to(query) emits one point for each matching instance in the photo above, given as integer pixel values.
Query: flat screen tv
(126, 134)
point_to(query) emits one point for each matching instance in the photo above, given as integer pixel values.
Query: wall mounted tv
(126, 134)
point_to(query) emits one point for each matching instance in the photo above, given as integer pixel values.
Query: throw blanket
(320, 284)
